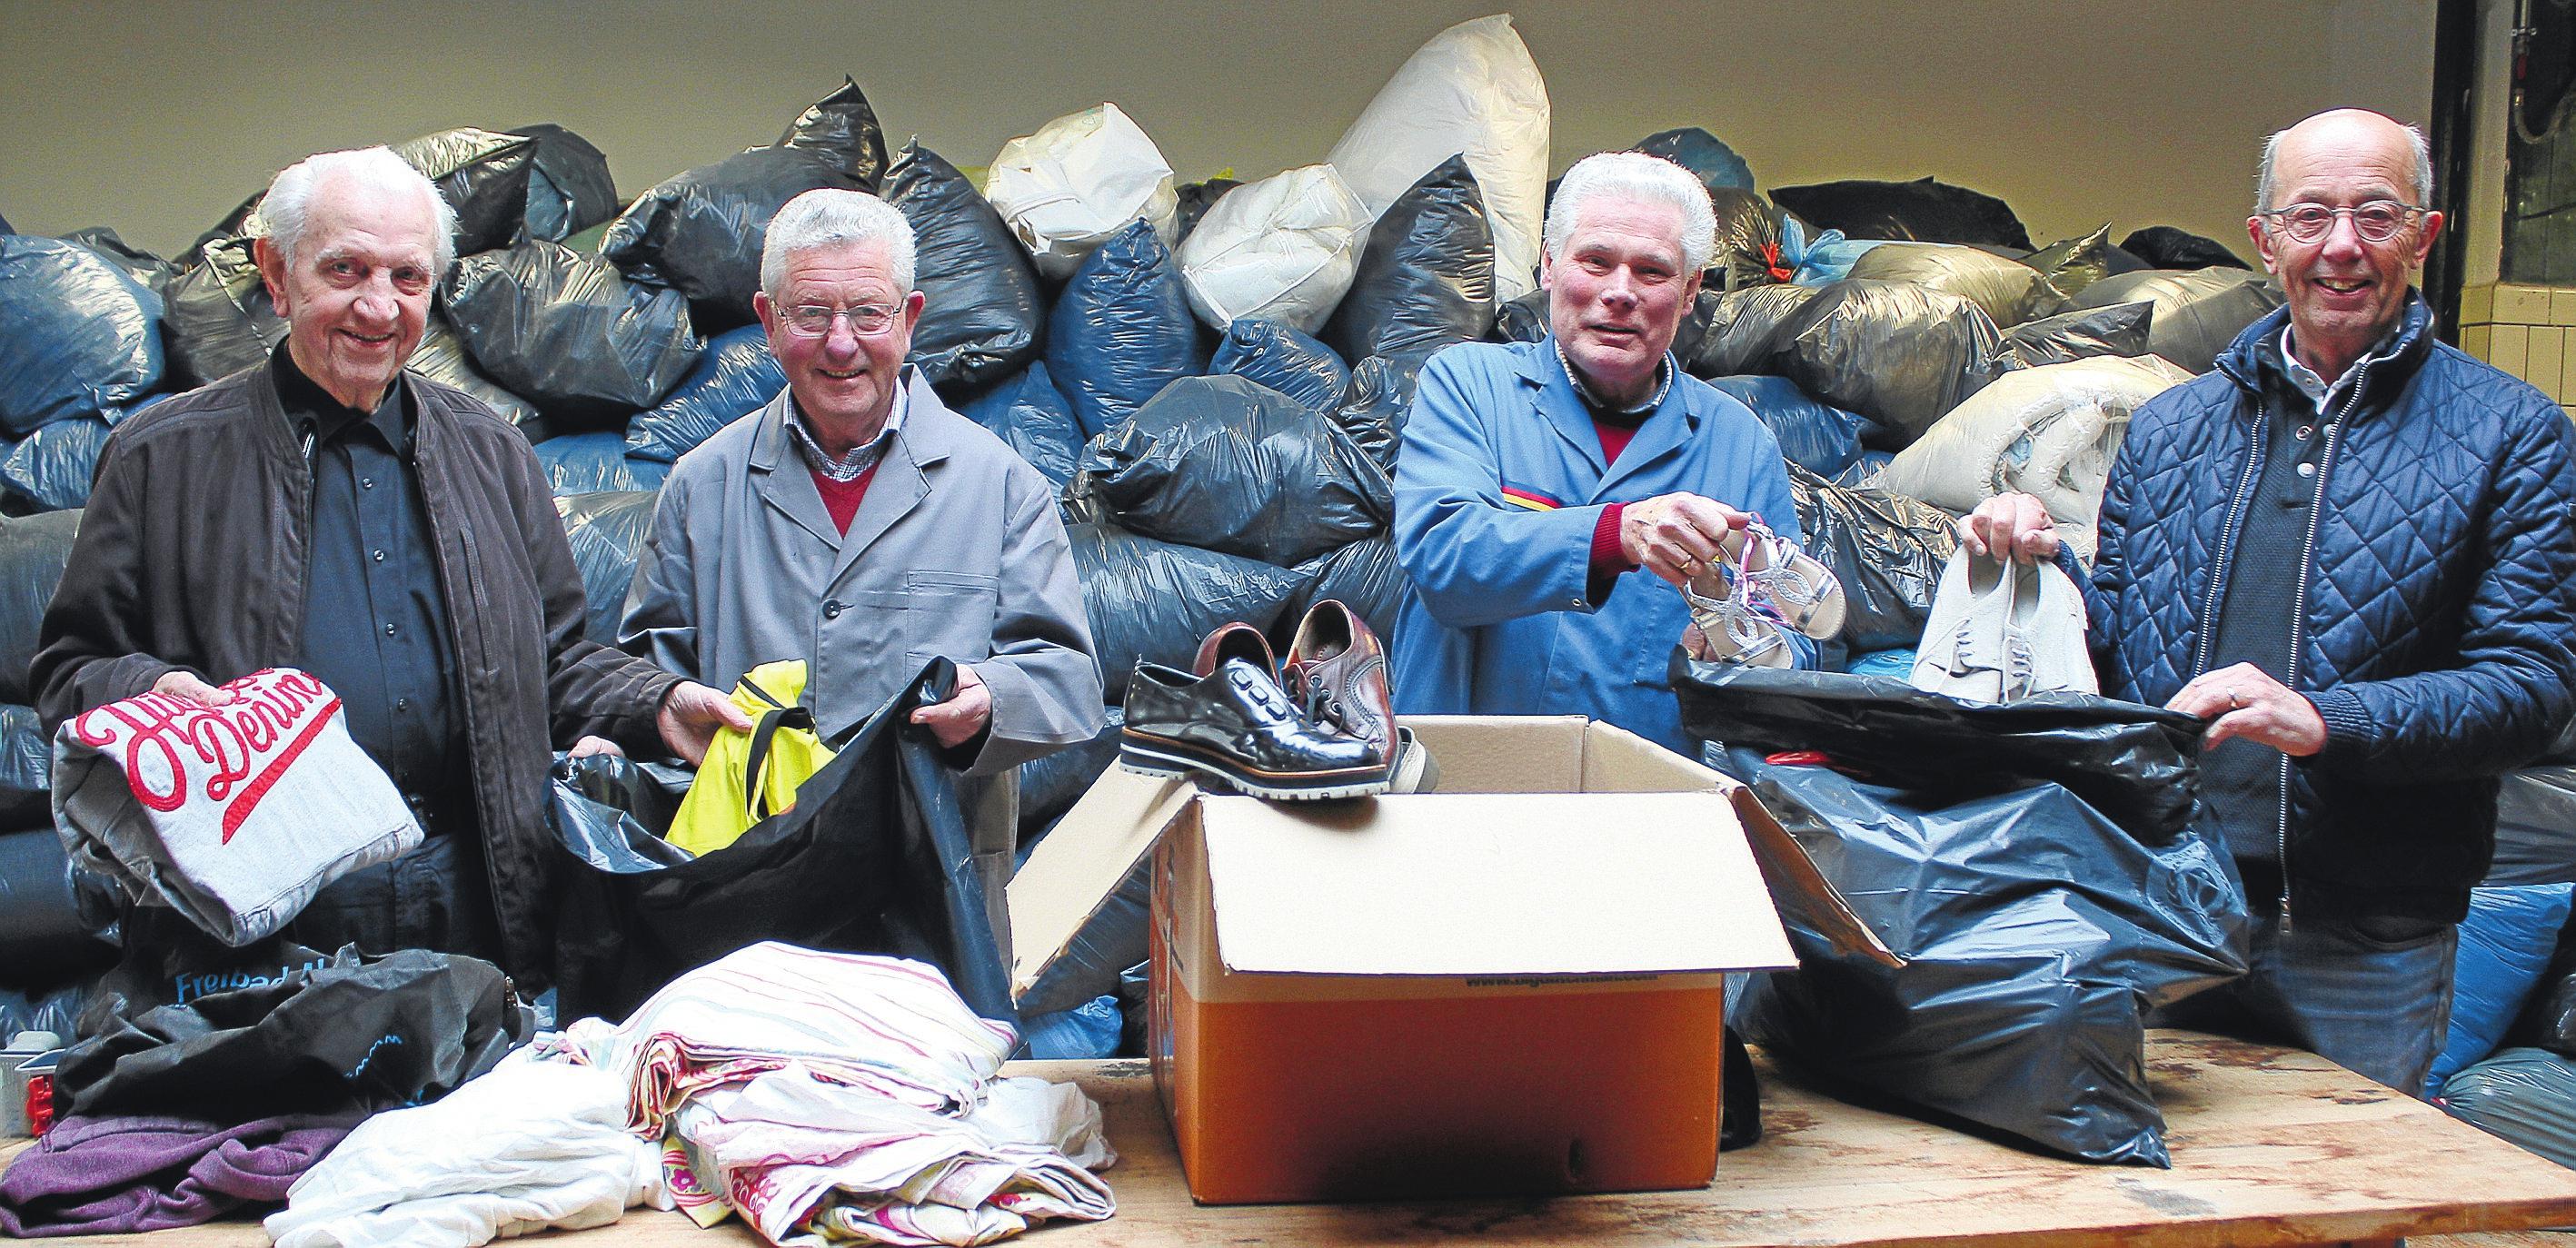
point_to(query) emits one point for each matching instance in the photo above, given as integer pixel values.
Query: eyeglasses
(2377, 221)
(866, 320)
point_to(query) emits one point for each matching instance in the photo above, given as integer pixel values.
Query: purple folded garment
(98, 1176)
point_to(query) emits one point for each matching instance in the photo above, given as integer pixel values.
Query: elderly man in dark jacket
(2349, 549)
(326, 510)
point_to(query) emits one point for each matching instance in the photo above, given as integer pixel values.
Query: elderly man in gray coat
(860, 525)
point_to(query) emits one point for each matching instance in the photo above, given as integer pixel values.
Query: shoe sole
(1153, 757)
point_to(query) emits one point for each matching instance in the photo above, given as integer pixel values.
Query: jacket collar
(927, 437)
(1543, 371)
(2253, 361)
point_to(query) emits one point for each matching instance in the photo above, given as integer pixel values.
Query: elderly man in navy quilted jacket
(2349, 549)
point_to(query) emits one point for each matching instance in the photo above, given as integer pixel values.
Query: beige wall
(156, 118)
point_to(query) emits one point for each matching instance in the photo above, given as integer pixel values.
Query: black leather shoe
(1235, 726)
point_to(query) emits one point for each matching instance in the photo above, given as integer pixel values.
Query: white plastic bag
(1472, 89)
(2049, 432)
(1067, 188)
(1281, 249)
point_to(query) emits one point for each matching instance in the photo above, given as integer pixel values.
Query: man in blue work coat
(1552, 494)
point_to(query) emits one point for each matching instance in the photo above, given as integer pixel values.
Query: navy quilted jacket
(2437, 630)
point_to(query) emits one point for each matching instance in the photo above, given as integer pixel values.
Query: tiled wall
(2528, 331)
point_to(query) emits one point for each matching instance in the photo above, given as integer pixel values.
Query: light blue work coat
(1498, 622)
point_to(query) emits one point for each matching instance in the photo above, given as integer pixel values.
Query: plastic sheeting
(51, 469)
(1819, 437)
(606, 531)
(982, 315)
(566, 331)
(217, 318)
(1704, 154)
(2166, 247)
(2523, 1096)
(2010, 291)
(1236, 467)
(1154, 600)
(1031, 416)
(1473, 93)
(570, 189)
(441, 358)
(1077, 182)
(1274, 355)
(1886, 549)
(34, 550)
(1427, 279)
(595, 463)
(1900, 354)
(78, 336)
(2121, 329)
(2050, 432)
(2032, 864)
(1280, 249)
(2197, 313)
(701, 232)
(734, 378)
(1374, 406)
(875, 857)
(1122, 330)
(1922, 210)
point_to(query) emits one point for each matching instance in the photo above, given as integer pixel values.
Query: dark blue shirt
(375, 623)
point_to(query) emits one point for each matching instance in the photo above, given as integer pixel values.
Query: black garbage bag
(1921, 210)
(1525, 319)
(26, 770)
(78, 336)
(43, 938)
(1888, 550)
(1032, 417)
(2166, 247)
(596, 463)
(734, 378)
(57, 1011)
(1373, 408)
(1195, 198)
(217, 319)
(303, 1035)
(149, 271)
(2030, 861)
(1898, 353)
(2009, 290)
(2075, 263)
(2524, 1096)
(1426, 279)
(2535, 837)
(1240, 468)
(1363, 576)
(564, 330)
(1285, 360)
(650, 793)
(2120, 329)
(51, 469)
(875, 857)
(1050, 786)
(607, 534)
(701, 232)
(1154, 600)
(1864, 471)
(1695, 149)
(1749, 242)
(33, 553)
(982, 314)
(1122, 330)
(1819, 437)
(2197, 313)
(482, 174)
(569, 186)
(441, 357)
(1742, 327)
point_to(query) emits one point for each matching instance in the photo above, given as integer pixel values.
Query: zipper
(2227, 539)
(2299, 602)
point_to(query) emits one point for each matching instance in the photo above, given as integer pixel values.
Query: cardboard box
(1514, 985)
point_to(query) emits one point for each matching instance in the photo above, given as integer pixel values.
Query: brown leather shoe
(1236, 641)
(1337, 671)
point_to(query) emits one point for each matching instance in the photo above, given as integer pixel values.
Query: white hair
(2417, 145)
(830, 217)
(1634, 176)
(288, 206)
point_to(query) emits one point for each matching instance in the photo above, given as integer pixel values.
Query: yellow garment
(732, 792)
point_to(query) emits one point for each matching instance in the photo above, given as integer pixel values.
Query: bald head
(2345, 135)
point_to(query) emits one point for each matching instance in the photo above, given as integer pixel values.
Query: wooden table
(2270, 1146)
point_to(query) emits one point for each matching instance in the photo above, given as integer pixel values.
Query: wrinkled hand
(588, 746)
(2012, 526)
(690, 715)
(2244, 701)
(1675, 535)
(956, 721)
(186, 687)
